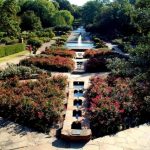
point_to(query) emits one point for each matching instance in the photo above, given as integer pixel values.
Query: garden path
(17, 59)
(115, 48)
(14, 136)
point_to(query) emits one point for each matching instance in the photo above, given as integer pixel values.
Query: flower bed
(22, 72)
(37, 104)
(51, 63)
(112, 106)
(96, 65)
(62, 53)
(102, 53)
(97, 53)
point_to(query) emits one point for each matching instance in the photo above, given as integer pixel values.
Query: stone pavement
(16, 137)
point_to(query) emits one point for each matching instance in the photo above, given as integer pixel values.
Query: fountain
(79, 43)
(80, 40)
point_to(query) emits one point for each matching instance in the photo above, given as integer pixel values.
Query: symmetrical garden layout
(82, 107)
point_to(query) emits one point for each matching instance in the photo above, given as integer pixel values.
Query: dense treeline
(121, 17)
(32, 15)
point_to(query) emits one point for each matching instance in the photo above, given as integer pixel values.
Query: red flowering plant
(51, 63)
(97, 53)
(38, 104)
(57, 52)
(96, 65)
(111, 107)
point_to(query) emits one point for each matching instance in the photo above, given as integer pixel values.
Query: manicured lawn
(3, 59)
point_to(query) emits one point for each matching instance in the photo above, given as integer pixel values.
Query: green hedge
(11, 49)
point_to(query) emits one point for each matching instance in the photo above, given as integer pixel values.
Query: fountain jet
(80, 40)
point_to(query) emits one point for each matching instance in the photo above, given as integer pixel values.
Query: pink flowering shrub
(37, 104)
(96, 65)
(111, 106)
(97, 53)
(51, 63)
(62, 53)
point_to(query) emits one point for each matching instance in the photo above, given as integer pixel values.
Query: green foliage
(45, 33)
(35, 42)
(99, 43)
(63, 18)
(10, 23)
(22, 72)
(64, 5)
(11, 49)
(9, 41)
(90, 10)
(30, 21)
(42, 8)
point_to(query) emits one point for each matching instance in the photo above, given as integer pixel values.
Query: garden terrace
(50, 63)
(37, 104)
(62, 53)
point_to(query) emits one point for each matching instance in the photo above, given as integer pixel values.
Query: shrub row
(22, 72)
(51, 63)
(63, 53)
(11, 49)
(99, 43)
(97, 53)
(96, 65)
(37, 104)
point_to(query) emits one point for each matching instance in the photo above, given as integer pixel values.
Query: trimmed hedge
(11, 49)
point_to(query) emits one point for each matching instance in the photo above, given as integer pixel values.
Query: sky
(79, 2)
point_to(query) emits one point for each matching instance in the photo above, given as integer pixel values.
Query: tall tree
(30, 21)
(9, 22)
(42, 8)
(90, 10)
(63, 17)
(65, 5)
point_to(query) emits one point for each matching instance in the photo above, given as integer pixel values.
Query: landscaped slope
(37, 104)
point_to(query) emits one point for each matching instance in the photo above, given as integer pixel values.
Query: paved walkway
(116, 49)
(21, 57)
(14, 136)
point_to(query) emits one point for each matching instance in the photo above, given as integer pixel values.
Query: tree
(65, 5)
(142, 19)
(30, 21)
(42, 8)
(63, 17)
(90, 10)
(9, 21)
(1, 3)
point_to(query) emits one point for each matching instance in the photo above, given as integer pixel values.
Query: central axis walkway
(68, 131)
